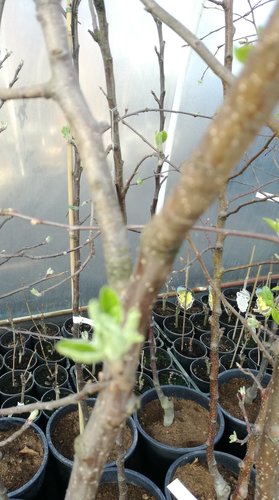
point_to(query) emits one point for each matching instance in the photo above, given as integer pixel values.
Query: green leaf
(110, 303)
(160, 138)
(80, 351)
(275, 315)
(35, 292)
(267, 295)
(275, 288)
(242, 53)
(139, 182)
(66, 132)
(274, 224)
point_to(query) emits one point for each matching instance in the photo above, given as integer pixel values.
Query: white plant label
(242, 299)
(179, 491)
(79, 320)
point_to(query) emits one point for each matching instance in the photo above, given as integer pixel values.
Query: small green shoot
(242, 53)
(113, 335)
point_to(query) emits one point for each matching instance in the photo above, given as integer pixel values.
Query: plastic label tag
(179, 491)
(81, 319)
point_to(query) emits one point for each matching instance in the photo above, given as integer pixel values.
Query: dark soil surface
(46, 376)
(245, 363)
(47, 351)
(110, 492)
(201, 371)
(246, 339)
(11, 385)
(20, 360)
(171, 325)
(199, 322)
(168, 310)
(171, 377)
(190, 350)
(225, 345)
(162, 359)
(10, 340)
(45, 329)
(190, 426)
(21, 458)
(229, 400)
(67, 429)
(142, 384)
(196, 477)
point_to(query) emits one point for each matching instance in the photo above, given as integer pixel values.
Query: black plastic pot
(255, 357)
(185, 356)
(159, 314)
(230, 295)
(10, 340)
(135, 478)
(169, 376)
(67, 331)
(201, 324)
(244, 343)
(227, 321)
(20, 359)
(143, 383)
(230, 462)
(44, 378)
(226, 345)
(11, 384)
(172, 332)
(155, 452)
(30, 489)
(52, 395)
(198, 370)
(45, 351)
(64, 465)
(88, 373)
(163, 359)
(243, 361)
(232, 423)
(15, 400)
(45, 331)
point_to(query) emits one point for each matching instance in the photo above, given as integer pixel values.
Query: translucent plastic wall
(33, 169)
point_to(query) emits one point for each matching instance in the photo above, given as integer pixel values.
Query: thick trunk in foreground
(268, 456)
(246, 108)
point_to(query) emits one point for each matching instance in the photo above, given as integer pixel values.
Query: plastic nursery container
(191, 349)
(154, 451)
(45, 351)
(161, 309)
(15, 400)
(21, 358)
(199, 373)
(233, 423)
(45, 331)
(200, 323)
(244, 361)
(143, 383)
(45, 378)
(64, 464)
(135, 478)
(51, 395)
(11, 384)
(230, 462)
(174, 332)
(163, 359)
(30, 489)
(10, 340)
(226, 345)
(67, 328)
